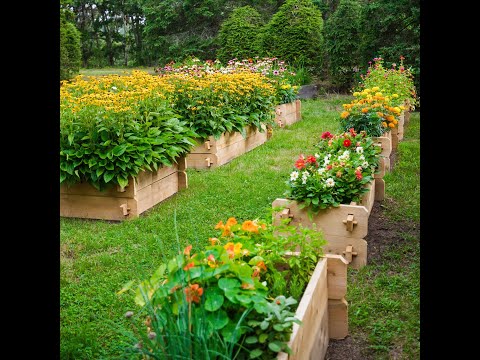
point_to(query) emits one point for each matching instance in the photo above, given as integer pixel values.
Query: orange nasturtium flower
(392, 125)
(211, 261)
(249, 225)
(189, 266)
(213, 241)
(186, 251)
(231, 221)
(226, 228)
(193, 293)
(233, 249)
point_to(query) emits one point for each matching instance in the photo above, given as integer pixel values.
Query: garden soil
(382, 235)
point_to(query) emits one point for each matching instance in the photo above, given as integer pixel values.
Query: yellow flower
(384, 124)
(356, 93)
(233, 249)
(378, 94)
(375, 88)
(395, 96)
(344, 114)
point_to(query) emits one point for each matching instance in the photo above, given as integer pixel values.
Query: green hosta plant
(222, 295)
(103, 148)
(337, 174)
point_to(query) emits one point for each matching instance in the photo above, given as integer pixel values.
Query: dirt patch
(383, 234)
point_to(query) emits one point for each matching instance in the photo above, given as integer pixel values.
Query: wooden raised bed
(143, 192)
(212, 153)
(287, 114)
(343, 227)
(322, 309)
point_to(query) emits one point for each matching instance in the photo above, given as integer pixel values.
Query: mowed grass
(384, 296)
(114, 71)
(98, 257)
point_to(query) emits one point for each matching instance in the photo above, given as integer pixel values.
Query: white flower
(305, 176)
(294, 176)
(317, 156)
(345, 155)
(359, 150)
(327, 160)
(362, 157)
(329, 182)
(365, 164)
(114, 88)
(321, 170)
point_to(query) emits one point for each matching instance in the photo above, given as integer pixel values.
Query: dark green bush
(238, 34)
(295, 34)
(70, 53)
(342, 43)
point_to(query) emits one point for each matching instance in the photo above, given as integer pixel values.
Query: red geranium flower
(352, 131)
(300, 163)
(327, 135)
(358, 175)
(311, 159)
(347, 142)
(329, 167)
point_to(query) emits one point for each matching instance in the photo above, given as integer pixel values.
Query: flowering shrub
(337, 174)
(396, 80)
(114, 127)
(221, 296)
(278, 74)
(371, 111)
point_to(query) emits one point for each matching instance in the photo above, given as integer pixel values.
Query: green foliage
(238, 34)
(342, 43)
(217, 293)
(101, 151)
(295, 34)
(396, 82)
(390, 29)
(70, 53)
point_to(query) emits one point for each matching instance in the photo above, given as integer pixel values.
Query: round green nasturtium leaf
(213, 299)
(255, 353)
(275, 346)
(251, 340)
(262, 338)
(244, 299)
(218, 319)
(228, 283)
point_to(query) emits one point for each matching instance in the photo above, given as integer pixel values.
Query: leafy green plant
(342, 43)
(397, 82)
(106, 150)
(337, 174)
(238, 33)
(371, 111)
(222, 285)
(295, 34)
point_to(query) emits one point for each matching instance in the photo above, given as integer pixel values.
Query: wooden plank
(199, 161)
(369, 197)
(310, 340)
(379, 189)
(330, 221)
(256, 138)
(394, 139)
(96, 207)
(336, 276)
(337, 318)
(298, 109)
(86, 189)
(400, 126)
(156, 192)
(336, 245)
(385, 142)
(383, 163)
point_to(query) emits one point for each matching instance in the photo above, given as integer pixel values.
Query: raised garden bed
(287, 114)
(322, 310)
(82, 200)
(344, 227)
(212, 153)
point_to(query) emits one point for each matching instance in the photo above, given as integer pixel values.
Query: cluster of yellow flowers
(120, 93)
(371, 101)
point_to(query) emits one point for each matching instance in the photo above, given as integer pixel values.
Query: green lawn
(114, 70)
(98, 257)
